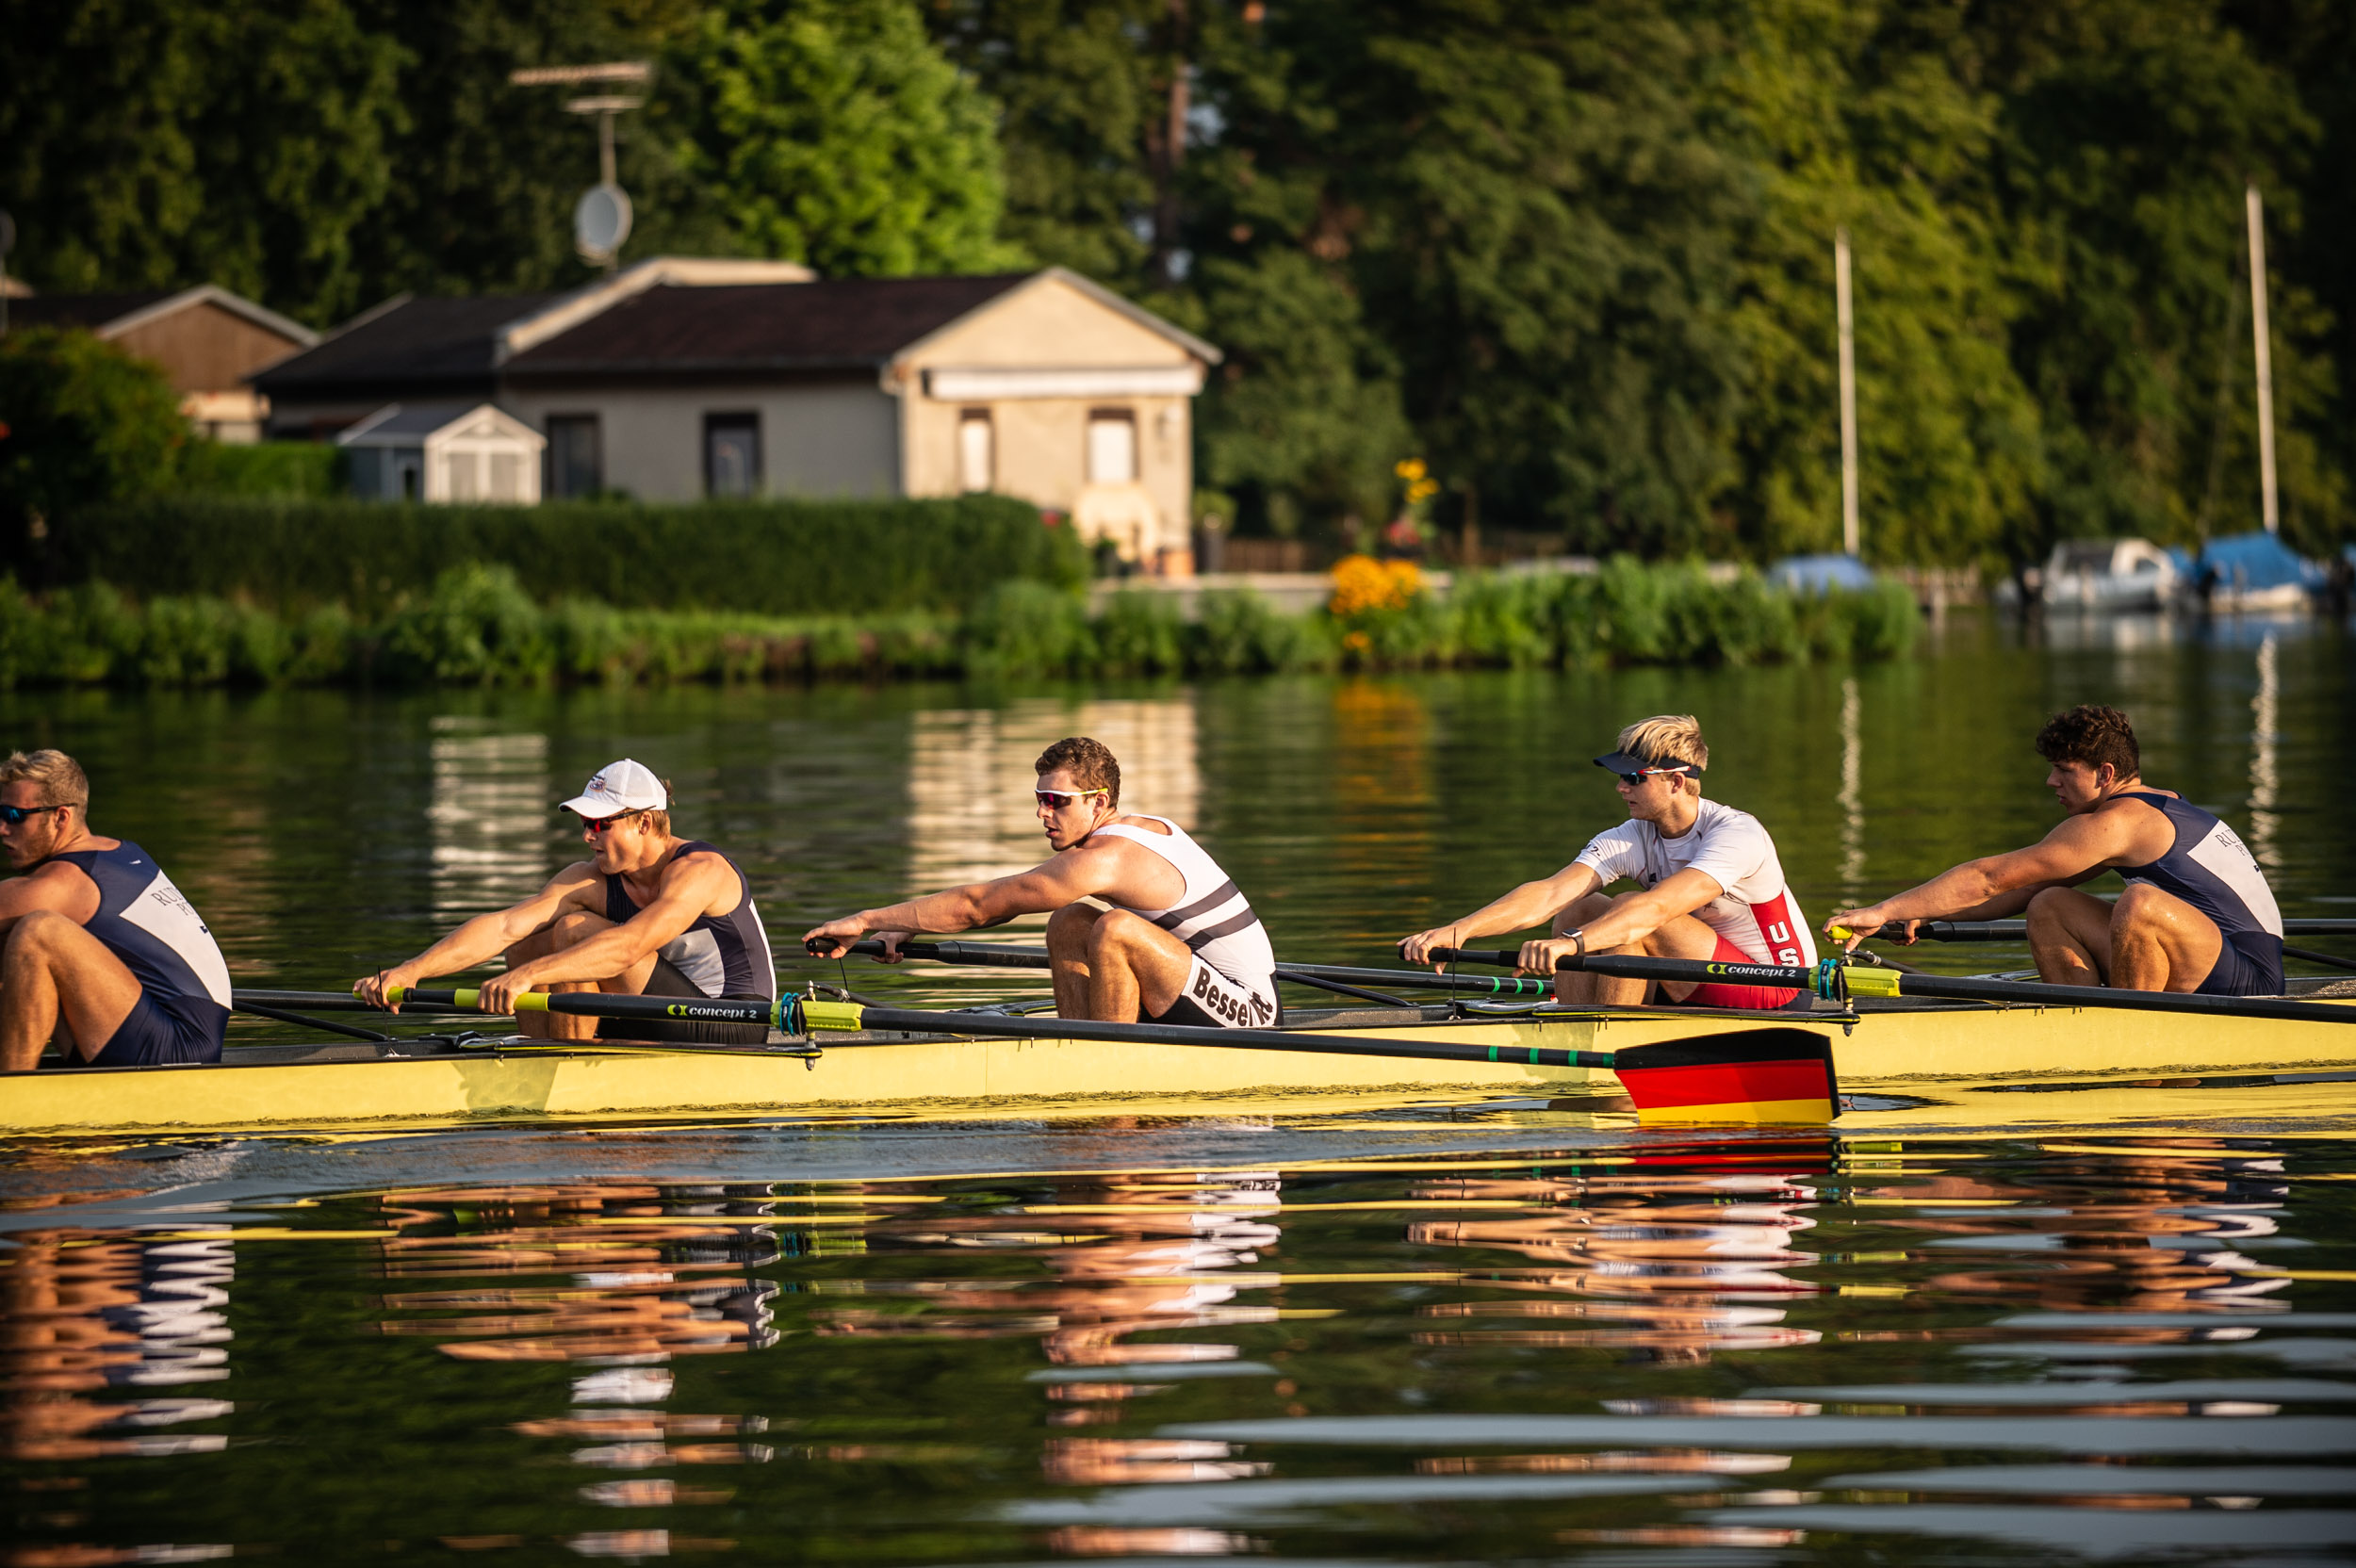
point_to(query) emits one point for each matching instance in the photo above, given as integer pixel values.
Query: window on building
(977, 454)
(465, 476)
(1112, 456)
(576, 456)
(507, 476)
(732, 454)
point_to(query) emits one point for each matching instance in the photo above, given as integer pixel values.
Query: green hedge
(777, 558)
(476, 626)
(290, 470)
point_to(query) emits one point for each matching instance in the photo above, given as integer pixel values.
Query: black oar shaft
(1308, 974)
(2018, 930)
(1353, 1044)
(2017, 993)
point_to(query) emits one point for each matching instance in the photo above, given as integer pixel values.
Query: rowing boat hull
(1900, 1050)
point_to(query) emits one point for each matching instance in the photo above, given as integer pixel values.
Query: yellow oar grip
(843, 1015)
(530, 1002)
(1840, 933)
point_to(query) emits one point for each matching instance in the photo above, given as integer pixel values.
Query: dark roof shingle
(80, 310)
(789, 326)
(418, 342)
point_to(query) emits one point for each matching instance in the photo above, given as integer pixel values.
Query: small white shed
(445, 453)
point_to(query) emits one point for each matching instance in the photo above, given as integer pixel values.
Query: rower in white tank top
(1233, 981)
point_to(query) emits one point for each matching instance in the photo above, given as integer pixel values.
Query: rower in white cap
(648, 914)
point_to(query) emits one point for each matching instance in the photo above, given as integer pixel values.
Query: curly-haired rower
(2196, 914)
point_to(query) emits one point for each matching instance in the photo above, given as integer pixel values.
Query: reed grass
(478, 626)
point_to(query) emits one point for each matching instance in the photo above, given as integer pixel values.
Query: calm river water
(1490, 1333)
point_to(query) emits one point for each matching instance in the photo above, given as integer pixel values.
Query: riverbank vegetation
(1575, 253)
(476, 626)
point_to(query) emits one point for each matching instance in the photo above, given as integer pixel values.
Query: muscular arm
(694, 886)
(1640, 914)
(58, 887)
(1078, 873)
(1531, 904)
(1995, 885)
(486, 935)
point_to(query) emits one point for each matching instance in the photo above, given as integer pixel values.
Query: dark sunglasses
(13, 815)
(1632, 779)
(596, 826)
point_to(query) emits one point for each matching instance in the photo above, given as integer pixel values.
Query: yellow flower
(1411, 468)
(1362, 584)
(1357, 642)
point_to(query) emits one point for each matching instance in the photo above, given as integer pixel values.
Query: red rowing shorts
(1763, 998)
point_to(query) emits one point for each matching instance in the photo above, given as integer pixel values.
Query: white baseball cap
(617, 787)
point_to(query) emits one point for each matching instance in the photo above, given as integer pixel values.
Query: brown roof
(417, 344)
(850, 323)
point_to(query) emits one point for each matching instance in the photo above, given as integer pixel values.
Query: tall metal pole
(1849, 540)
(2269, 506)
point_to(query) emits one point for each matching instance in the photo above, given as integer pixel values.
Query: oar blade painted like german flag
(1753, 1077)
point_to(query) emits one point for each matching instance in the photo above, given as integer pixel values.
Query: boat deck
(1894, 1046)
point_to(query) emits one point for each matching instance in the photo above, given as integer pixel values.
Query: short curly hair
(2094, 735)
(1091, 764)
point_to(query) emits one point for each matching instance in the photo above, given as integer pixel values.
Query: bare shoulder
(53, 884)
(1149, 825)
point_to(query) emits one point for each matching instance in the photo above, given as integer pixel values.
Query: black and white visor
(1626, 763)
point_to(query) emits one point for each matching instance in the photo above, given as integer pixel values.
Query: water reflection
(1655, 1346)
(85, 1316)
(489, 815)
(971, 815)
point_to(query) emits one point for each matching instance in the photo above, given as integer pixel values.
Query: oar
(1836, 980)
(1330, 977)
(2018, 930)
(1748, 1076)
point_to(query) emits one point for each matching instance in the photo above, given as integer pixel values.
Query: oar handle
(669, 1009)
(985, 953)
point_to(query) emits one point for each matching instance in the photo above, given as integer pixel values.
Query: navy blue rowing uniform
(2211, 869)
(143, 920)
(717, 956)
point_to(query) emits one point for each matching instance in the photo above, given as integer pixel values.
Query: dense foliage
(478, 626)
(80, 423)
(770, 557)
(1576, 254)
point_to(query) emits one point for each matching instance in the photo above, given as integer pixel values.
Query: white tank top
(1212, 917)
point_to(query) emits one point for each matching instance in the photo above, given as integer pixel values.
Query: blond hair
(1667, 738)
(61, 779)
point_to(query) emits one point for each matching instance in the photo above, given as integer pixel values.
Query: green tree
(85, 422)
(1520, 202)
(145, 144)
(485, 173)
(833, 132)
(1076, 92)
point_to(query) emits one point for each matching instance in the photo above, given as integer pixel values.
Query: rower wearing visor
(647, 914)
(1709, 887)
(1141, 922)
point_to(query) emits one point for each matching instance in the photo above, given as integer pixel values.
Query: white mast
(2267, 504)
(1849, 541)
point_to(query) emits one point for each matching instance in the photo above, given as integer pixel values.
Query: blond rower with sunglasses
(647, 914)
(1179, 943)
(1709, 886)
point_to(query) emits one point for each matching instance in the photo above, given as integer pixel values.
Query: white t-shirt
(1756, 911)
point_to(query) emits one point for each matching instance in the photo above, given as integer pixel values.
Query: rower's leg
(1581, 988)
(1684, 937)
(1070, 930)
(2069, 935)
(1136, 968)
(570, 931)
(53, 971)
(2159, 942)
